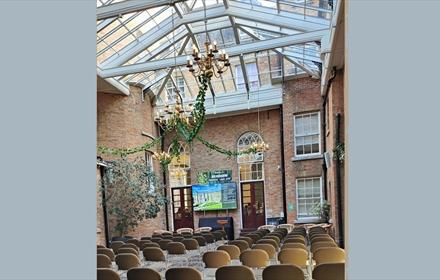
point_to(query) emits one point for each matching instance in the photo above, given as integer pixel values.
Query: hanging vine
(184, 131)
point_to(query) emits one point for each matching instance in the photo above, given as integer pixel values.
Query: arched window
(250, 165)
(179, 168)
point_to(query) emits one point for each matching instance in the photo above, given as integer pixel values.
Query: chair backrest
(233, 251)
(178, 238)
(143, 242)
(243, 245)
(322, 239)
(108, 252)
(187, 230)
(209, 237)
(107, 274)
(153, 254)
(203, 229)
(167, 236)
(134, 241)
(142, 273)
(254, 236)
(116, 244)
(183, 273)
(176, 248)
(263, 230)
(289, 227)
(100, 246)
(236, 272)
(280, 235)
(156, 239)
(296, 234)
(268, 227)
(268, 241)
(129, 245)
(150, 245)
(216, 259)
(273, 237)
(312, 236)
(127, 261)
(103, 261)
(217, 235)
(329, 255)
(283, 272)
(146, 238)
(315, 246)
(201, 240)
(163, 244)
(284, 231)
(293, 245)
(295, 240)
(294, 256)
(268, 248)
(127, 251)
(249, 240)
(254, 258)
(190, 244)
(329, 271)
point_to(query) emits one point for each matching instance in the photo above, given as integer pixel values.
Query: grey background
(48, 138)
(393, 130)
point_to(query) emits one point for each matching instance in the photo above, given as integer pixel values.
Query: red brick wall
(335, 105)
(300, 96)
(120, 123)
(225, 131)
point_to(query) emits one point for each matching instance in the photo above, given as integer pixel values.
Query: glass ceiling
(157, 33)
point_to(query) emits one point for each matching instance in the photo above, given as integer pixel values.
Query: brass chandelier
(208, 64)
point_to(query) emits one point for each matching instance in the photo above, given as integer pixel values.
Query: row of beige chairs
(327, 271)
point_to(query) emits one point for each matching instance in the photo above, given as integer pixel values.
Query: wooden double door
(182, 208)
(252, 204)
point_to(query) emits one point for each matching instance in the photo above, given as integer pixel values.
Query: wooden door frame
(172, 204)
(241, 199)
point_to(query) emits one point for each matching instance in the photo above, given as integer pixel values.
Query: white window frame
(295, 136)
(186, 169)
(241, 84)
(170, 90)
(312, 218)
(257, 158)
(149, 162)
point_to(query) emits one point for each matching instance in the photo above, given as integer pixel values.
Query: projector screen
(220, 196)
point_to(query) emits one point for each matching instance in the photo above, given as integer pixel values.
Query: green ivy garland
(183, 132)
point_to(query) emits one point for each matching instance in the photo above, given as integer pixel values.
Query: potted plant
(132, 194)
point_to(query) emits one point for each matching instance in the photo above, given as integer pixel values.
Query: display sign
(214, 177)
(218, 196)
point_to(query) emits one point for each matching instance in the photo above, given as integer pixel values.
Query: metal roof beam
(291, 59)
(232, 51)
(162, 30)
(130, 6)
(243, 65)
(270, 16)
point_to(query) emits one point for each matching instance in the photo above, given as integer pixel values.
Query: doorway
(182, 208)
(252, 202)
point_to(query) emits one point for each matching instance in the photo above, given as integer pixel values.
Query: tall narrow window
(150, 167)
(171, 91)
(252, 74)
(250, 165)
(309, 194)
(307, 134)
(179, 169)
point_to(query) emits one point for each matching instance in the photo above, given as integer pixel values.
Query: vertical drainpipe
(339, 184)
(164, 175)
(104, 207)
(283, 174)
